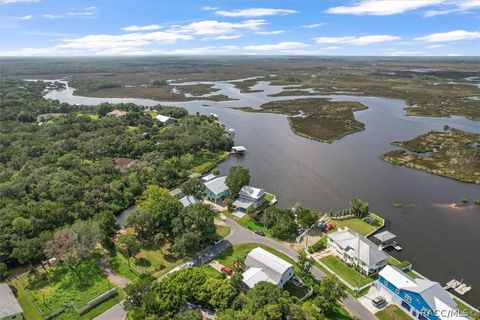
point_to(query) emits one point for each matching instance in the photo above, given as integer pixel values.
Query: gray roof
(217, 185)
(273, 266)
(239, 203)
(384, 236)
(252, 192)
(352, 242)
(9, 305)
(188, 200)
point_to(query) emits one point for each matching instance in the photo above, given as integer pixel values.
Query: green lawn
(222, 231)
(251, 224)
(155, 261)
(358, 225)
(205, 161)
(394, 262)
(60, 285)
(30, 312)
(119, 265)
(345, 272)
(92, 116)
(392, 312)
(269, 197)
(412, 274)
(463, 307)
(240, 250)
(295, 290)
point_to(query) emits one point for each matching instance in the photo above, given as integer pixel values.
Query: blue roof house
(216, 189)
(420, 299)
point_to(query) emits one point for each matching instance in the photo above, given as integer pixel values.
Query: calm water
(439, 238)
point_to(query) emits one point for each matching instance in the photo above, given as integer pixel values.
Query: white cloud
(141, 28)
(96, 42)
(358, 41)
(331, 48)
(213, 27)
(225, 37)
(453, 55)
(383, 7)
(455, 35)
(314, 25)
(267, 33)
(404, 53)
(254, 12)
(277, 46)
(29, 17)
(208, 8)
(433, 46)
(461, 6)
(16, 1)
(87, 12)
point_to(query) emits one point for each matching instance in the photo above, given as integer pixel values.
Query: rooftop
(188, 200)
(273, 266)
(251, 192)
(384, 236)
(208, 177)
(355, 244)
(117, 113)
(163, 118)
(254, 275)
(217, 185)
(432, 292)
(9, 305)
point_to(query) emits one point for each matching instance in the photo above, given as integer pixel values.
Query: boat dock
(458, 286)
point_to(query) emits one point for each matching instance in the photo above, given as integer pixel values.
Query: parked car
(329, 227)
(260, 233)
(378, 301)
(323, 226)
(217, 240)
(226, 270)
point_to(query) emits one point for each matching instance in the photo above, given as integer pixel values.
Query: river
(439, 237)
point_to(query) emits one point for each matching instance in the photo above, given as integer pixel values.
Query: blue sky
(310, 27)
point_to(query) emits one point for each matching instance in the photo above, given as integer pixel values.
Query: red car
(329, 227)
(227, 270)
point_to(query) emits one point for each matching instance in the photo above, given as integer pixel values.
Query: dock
(240, 150)
(458, 286)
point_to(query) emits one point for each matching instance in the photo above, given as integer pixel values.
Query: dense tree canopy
(238, 177)
(57, 160)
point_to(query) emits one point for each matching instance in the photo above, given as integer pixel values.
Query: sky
(231, 27)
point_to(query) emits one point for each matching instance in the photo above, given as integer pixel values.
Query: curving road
(241, 235)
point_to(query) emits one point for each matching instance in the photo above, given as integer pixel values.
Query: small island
(318, 119)
(452, 153)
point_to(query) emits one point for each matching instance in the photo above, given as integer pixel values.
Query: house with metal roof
(421, 299)
(262, 265)
(9, 307)
(357, 250)
(165, 119)
(249, 197)
(188, 200)
(216, 189)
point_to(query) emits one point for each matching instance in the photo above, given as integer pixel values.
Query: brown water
(438, 237)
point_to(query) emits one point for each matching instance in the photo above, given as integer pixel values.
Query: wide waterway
(440, 238)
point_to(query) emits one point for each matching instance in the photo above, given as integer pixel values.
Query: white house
(9, 307)
(357, 250)
(261, 265)
(165, 119)
(248, 197)
(419, 298)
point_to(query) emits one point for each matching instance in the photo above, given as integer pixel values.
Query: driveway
(375, 291)
(114, 313)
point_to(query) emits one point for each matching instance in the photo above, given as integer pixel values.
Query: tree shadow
(142, 262)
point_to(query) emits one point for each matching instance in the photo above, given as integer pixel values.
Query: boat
(396, 246)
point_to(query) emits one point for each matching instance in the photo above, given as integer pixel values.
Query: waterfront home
(209, 177)
(9, 307)
(216, 189)
(249, 197)
(165, 119)
(117, 113)
(421, 299)
(262, 265)
(356, 250)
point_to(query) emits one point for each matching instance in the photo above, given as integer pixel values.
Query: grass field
(345, 272)
(222, 231)
(205, 161)
(60, 285)
(358, 225)
(392, 312)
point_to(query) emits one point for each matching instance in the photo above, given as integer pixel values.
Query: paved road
(241, 235)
